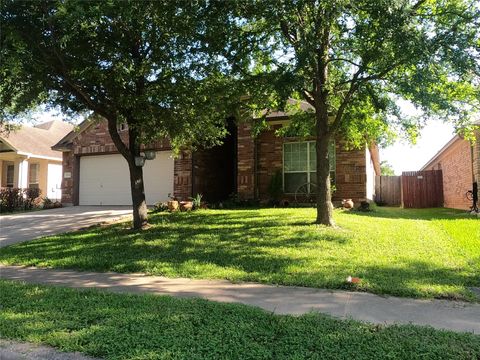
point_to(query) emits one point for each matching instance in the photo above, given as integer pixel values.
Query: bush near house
(14, 199)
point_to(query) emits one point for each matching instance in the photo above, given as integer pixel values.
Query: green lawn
(115, 326)
(418, 253)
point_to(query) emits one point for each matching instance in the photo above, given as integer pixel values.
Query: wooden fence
(388, 190)
(422, 189)
(414, 189)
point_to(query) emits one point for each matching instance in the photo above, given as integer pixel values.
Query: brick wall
(96, 140)
(67, 183)
(182, 176)
(351, 177)
(456, 165)
(245, 162)
(350, 165)
(270, 159)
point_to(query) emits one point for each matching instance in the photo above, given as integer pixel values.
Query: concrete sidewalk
(440, 314)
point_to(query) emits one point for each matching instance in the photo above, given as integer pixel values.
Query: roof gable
(37, 140)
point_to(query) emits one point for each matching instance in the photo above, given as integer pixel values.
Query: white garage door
(105, 180)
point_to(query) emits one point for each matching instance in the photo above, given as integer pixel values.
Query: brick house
(460, 165)
(95, 174)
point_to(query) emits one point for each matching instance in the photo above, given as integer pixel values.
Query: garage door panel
(105, 180)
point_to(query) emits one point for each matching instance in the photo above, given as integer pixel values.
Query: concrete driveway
(22, 227)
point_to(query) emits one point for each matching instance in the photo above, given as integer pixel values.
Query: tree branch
(354, 85)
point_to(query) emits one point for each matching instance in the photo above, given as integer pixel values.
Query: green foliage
(155, 65)
(160, 207)
(386, 168)
(404, 252)
(197, 201)
(346, 64)
(119, 326)
(354, 61)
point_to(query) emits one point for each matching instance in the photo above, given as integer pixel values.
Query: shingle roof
(277, 114)
(37, 140)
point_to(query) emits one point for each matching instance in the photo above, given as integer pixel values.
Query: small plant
(47, 203)
(172, 197)
(364, 206)
(197, 201)
(31, 194)
(160, 207)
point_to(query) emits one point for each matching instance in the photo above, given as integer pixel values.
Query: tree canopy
(358, 59)
(178, 68)
(386, 168)
(149, 61)
(152, 64)
(352, 61)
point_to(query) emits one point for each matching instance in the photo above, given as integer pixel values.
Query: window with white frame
(300, 164)
(33, 175)
(10, 175)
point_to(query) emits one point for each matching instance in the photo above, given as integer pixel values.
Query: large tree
(151, 64)
(353, 60)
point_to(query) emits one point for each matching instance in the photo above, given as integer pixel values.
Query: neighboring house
(95, 174)
(460, 165)
(27, 160)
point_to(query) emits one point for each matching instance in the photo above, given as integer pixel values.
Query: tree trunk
(324, 196)
(136, 172)
(138, 196)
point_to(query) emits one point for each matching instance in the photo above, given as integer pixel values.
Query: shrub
(47, 203)
(31, 194)
(160, 207)
(11, 199)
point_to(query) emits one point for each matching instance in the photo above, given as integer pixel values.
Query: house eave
(30, 155)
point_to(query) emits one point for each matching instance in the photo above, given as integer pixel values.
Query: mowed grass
(404, 252)
(115, 326)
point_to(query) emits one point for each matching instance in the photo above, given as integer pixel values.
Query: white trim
(30, 155)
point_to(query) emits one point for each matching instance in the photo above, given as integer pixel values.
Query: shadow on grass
(247, 245)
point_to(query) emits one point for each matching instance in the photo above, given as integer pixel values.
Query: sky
(402, 156)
